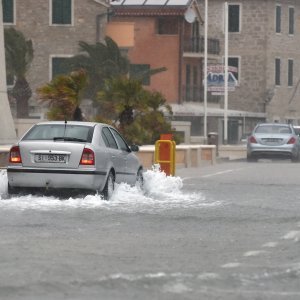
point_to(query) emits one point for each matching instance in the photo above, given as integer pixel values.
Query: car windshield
(273, 129)
(60, 132)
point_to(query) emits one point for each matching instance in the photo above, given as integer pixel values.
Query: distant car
(82, 156)
(273, 140)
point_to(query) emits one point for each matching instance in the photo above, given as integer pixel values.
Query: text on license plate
(50, 158)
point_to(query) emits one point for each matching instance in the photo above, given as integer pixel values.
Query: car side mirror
(134, 148)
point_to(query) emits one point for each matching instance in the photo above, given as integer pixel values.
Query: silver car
(273, 140)
(81, 156)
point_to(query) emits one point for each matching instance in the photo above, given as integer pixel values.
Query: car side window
(108, 138)
(120, 140)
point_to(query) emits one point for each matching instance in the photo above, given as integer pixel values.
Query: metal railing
(196, 45)
(195, 93)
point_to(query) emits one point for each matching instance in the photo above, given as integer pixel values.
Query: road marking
(231, 265)
(292, 235)
(254, 253)
(270, 245)
(218, 173)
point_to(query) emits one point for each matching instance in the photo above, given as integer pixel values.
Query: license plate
(50, 158)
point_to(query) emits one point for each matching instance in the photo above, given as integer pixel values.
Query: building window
(291, 20)
(278, 19)
(234, 62)
(188, 94)
(137, 71)
(167, 25)
(60, 66)
(8, 11)
(277, 71)
(61, 12)
(234, 18)
(290, 72)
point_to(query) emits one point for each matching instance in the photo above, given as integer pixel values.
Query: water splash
(161, 192)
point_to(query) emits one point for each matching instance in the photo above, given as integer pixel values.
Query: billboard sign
(216, 79)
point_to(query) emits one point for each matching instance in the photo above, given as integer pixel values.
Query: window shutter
(61, 11)
(277, 71)
(291, 20)
(60, 66)
(290, 72)
(234, 18)
(8, 11)
(278, 19)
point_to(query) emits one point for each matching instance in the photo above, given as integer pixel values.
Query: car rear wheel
(251, 158)
(13, 190)
(295, 158)
(109, 186)
(139, 179)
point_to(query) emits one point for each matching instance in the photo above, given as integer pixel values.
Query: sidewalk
(225, 152)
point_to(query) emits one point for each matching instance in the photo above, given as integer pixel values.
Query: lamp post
(205, 68)
(226, 78)
(7, 132)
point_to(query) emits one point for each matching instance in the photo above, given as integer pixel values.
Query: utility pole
(205, 69)
(226, 78)
(7, 127)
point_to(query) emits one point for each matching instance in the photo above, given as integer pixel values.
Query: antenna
(65, 126)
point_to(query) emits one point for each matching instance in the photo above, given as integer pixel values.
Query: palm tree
(104, 61)
(135, 111)
(101, 61)
(19, 55)
(64, 94)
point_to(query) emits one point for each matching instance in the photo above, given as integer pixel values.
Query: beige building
(264, 38)
(263, 50)
(55, 28)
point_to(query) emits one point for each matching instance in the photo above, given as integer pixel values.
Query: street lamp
(205, 68)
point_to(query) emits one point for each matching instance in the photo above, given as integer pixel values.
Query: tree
(64, 94)
(104, 61)
(135, 111)
(19, 55)
(101, 61)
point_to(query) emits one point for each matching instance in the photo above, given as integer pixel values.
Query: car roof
(274, 124)
(71, 123)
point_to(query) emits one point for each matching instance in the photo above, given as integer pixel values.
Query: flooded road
(219, 232)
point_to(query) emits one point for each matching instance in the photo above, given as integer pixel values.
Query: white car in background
(273, 140)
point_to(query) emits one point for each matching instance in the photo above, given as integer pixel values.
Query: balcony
(196, 45)
(193, 93)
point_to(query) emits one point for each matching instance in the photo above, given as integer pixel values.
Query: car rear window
(297, 130)
(60, 131)
(273, 129)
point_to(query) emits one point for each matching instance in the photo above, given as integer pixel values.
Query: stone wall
(258, 45)
(33, 19)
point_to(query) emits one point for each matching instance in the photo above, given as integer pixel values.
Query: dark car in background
(83, 156)
(273, 140)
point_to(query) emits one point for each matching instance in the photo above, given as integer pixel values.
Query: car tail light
(87, 157)
(15, 155)
(252, 139)
(292, 140)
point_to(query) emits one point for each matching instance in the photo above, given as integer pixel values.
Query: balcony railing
(193, 93)
(196, 45)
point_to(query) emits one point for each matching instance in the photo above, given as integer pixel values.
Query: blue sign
(218, 79)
